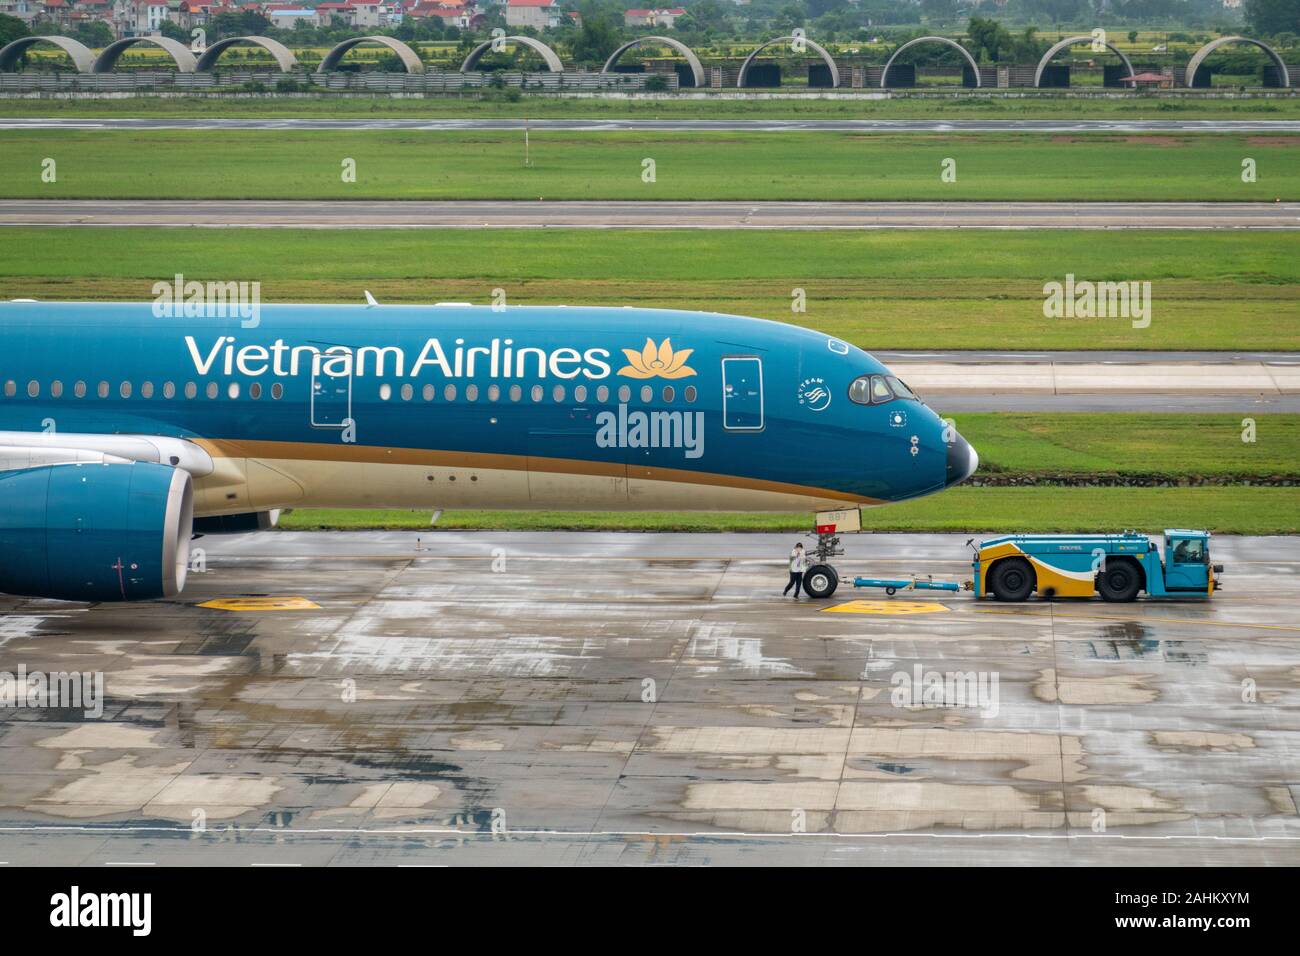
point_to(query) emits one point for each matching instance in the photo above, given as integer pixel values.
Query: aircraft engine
(95, 531)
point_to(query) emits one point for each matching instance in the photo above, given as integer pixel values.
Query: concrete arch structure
(1199, 56)
(83, 58)
(283, 55)
(975, 67)
(1075, 41)
(817, 48)
(179, 52)
(693, 61)
(410, 59)
(553, 62)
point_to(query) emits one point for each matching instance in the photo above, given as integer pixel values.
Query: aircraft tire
(820, 581)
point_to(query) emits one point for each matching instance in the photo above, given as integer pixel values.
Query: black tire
(820, 581)
(1119, 580)
(890, 591)
(1012, 579)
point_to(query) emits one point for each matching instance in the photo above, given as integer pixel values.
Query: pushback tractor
(1116, 566)
(1015, 567)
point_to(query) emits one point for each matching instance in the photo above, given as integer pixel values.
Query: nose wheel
(820, 581)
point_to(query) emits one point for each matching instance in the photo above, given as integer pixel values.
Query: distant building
(450, 13)
(538, 14)
(286, 18)
(652, 18)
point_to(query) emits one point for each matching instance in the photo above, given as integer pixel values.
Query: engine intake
(95, 532)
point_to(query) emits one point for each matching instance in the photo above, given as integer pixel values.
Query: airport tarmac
(550, 698)
(655, 214)
(667, 125)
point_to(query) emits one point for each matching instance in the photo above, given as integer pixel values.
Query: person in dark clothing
(797, 565)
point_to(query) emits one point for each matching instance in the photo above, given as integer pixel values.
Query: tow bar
(893, 585)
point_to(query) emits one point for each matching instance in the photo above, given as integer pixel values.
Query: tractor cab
(1187, 560)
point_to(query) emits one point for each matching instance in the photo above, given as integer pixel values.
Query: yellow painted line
(1133, 620)
(885, 607)
(262, 604)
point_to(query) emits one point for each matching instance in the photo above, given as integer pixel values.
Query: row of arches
(186, 61)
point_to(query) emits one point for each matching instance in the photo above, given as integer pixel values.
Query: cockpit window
(901, 390)
(876, 390)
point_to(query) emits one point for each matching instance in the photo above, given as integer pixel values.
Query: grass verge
(922, 289)
(1224, 510)
(290, 164)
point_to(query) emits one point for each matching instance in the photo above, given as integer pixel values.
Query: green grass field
(1041, 106)
(262, 164)
(1230, 510)
(880, 290)
(1168, 445)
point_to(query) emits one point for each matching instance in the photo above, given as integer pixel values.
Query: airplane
(123, 435)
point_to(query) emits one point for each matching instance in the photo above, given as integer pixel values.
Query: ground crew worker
(797, 565)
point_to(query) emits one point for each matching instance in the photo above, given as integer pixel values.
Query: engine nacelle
(238, 524)
(95, 532)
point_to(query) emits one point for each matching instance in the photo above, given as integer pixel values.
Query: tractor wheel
(1119, 581)
(1012, 579)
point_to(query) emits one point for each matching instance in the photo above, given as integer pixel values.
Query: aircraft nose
(962, 461)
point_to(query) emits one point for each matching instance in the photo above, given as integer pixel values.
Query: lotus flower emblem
(657, 361)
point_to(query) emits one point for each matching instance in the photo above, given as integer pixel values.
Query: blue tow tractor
(1015, 567)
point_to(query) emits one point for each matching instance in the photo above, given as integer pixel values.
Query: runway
(447, 214)
(575, 699)
(1104, 381)
(670, 125)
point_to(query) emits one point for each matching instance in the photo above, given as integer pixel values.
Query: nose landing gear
(821, 579)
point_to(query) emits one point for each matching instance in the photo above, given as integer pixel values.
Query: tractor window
(1189, 551)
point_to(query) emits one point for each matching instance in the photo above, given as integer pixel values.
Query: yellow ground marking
(886, 607)
(262, 604)
(1027, 615)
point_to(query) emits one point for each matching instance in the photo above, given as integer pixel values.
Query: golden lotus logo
(657, 361)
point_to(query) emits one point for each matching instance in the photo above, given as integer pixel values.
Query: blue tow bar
(910, 584)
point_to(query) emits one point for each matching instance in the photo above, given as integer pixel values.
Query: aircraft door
(331, 394)
(742, 393)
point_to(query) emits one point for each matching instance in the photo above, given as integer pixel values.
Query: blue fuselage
(524, 406)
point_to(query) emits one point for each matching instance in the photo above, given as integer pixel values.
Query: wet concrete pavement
(548, 698)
